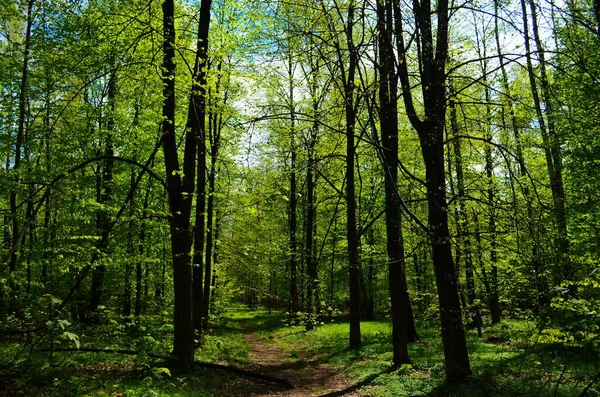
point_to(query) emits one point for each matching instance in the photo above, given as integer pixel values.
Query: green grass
(511, 359)
(506, 361)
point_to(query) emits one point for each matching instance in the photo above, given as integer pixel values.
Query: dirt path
(308, 376)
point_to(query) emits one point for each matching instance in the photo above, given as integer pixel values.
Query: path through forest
(307, 374)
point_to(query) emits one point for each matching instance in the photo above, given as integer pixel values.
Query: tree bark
(103, 221)
(545, 113)
(215, 133)
(12, 259)
(311, 268)
(179, 190)
(431, 133)
(293, 201)
(463, 223)
(130, 254)
(389, 141)
(540, 282)
(197, 126)
(352, 233)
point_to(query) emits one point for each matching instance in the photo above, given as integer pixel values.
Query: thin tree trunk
(463, 222)
(213, 290)
(352, 233)
(130, 254)
(566, 267)
(209, 223)
(106, 188)
(311, 270)
(494, 301)
(140, 260)
(293, 201)
(197, 124)
(370, 309)
(540, 281)
(12, 260)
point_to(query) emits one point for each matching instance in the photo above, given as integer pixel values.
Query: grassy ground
(511, 359)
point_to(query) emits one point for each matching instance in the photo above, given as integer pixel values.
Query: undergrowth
(514, 358)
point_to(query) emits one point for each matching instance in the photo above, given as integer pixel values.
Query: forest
(300, 198)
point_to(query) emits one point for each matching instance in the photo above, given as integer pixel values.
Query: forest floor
(308, 375)
(514, 358)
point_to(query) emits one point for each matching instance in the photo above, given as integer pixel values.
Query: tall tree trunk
(311, 268)
(197, 125)
(463, 222)
(540, 282)
(139, 276)
(352, 233)
(179, 190)
(370, 309)
(130, 253)
(215, 135)
(545, 114)
(568, 268)
(494, 300)
(14, 244)
(213, 290)
(103, 221)
(293, 201)
(431, 136)
(389, 141)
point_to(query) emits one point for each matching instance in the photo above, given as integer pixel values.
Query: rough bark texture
(352, 232)
(197, 127)
(179, 192)
(389, 154)
(105, 187)
(431, 133)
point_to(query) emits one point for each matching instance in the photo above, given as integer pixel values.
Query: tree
(180, 181)
(388, 88)
(430, 128)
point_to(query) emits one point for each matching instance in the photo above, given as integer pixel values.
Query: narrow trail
(307, 374)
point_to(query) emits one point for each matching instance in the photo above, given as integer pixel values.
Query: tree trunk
(545, 114)
(370, 309)
(463, 223)
(389, 154)
(130, 254)
(209, 222)
(179, 192)
(352, 233)
(293, 202)
(197, 126)
(311, 268)
(14, 244)
(103, 221)
(431, 133)
(540, 282)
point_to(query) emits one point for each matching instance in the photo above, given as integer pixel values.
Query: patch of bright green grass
(225, 345)
(505, 361)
